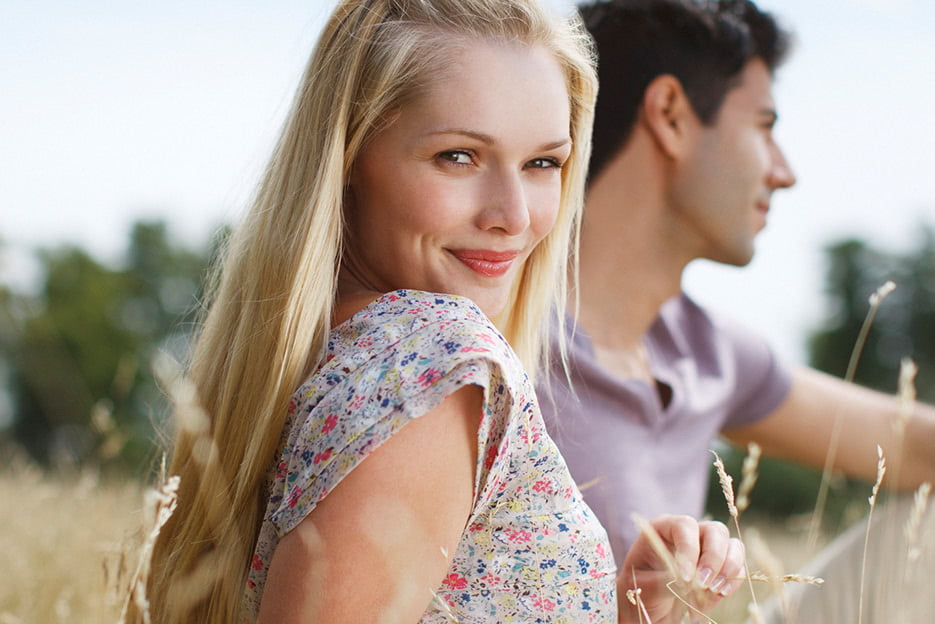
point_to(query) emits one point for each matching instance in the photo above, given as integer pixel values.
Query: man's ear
(668, 115)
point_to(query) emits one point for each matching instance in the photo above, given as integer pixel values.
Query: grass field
(68, 545)
(65, 543)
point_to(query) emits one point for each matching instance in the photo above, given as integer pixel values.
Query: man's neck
(630, 261)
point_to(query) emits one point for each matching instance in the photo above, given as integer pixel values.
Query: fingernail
(704, 577)
(687, 570)
(729, 588)
(718, 585)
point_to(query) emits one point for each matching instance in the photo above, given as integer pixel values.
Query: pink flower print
(281, 470)
(330, 423)
(257, 563)
(250, 584)
(520, 536)
(543, 486)
(474, 527)
(357, 403)
(600, 551)
(543, 603)
(429, 376)
(454, 581)
(474, 350)
(323, 456)
(294, 496)
(485, 337)
(490, 579)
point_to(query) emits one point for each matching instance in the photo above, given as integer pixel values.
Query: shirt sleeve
(364, 409)
(762, 380)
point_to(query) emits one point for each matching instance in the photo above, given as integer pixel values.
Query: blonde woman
(375, 450)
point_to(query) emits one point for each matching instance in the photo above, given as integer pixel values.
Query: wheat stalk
(748, 476)
(911, 530)
(635, 599)
(785, 578)
(881, 470)
(875, 300)
(162, 503)
(727, 487)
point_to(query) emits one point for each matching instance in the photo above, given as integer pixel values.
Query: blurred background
(132, 134)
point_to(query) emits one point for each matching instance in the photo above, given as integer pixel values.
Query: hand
(699, 562)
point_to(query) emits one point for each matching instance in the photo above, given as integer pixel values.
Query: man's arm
(800, 429)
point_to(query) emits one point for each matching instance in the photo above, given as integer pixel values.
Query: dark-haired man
(684, 167)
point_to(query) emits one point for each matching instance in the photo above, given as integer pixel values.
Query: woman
(375, 450)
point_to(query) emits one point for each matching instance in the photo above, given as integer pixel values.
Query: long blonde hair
(271, 311)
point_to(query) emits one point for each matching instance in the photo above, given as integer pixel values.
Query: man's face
(722, 192)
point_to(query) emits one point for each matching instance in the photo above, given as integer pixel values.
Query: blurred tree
(904, 327)
(905, 322)
(80, 351)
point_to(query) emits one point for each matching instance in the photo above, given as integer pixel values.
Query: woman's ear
(668, 115)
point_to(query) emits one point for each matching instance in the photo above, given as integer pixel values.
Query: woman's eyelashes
(457, 157)
(544, 163)
(461, 157)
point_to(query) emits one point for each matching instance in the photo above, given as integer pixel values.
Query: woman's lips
(486, 262)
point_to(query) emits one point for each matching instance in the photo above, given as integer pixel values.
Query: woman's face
(456, 192)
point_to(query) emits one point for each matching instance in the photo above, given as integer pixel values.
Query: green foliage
(905, 323)
(79, 352)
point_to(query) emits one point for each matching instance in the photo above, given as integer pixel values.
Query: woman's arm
(379, 543)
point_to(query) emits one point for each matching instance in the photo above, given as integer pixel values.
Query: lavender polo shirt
(630, 453)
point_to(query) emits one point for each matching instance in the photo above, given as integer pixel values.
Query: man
(684, 166)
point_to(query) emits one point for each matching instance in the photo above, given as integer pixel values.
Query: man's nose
(780, 174)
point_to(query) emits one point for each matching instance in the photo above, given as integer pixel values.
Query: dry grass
(72, 546)
(63, 542)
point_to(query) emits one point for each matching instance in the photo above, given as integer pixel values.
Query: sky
(116, 110)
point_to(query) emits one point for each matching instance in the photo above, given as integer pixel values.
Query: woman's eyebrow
(480, 136)
(490, 140)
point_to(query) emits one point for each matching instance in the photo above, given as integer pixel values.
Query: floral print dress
(532, 550)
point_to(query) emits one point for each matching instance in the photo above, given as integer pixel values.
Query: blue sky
(116, 110)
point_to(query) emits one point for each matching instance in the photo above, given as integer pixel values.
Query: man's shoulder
(692, 329)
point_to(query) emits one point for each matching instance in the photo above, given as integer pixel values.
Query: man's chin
(737, 258)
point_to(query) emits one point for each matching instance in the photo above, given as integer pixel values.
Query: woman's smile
(486, 262)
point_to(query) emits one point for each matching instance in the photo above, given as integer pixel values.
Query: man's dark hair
(704, 44)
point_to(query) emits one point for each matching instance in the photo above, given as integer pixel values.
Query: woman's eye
(543, 163)
(459, 157)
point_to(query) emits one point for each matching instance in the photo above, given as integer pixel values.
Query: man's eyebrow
(489, 140)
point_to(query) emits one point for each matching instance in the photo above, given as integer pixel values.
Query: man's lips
(486, 262)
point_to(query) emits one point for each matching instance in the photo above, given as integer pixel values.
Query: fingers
(707, 561)
(721, 559)
(704, 552)
(732, 572)
(682, 535)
